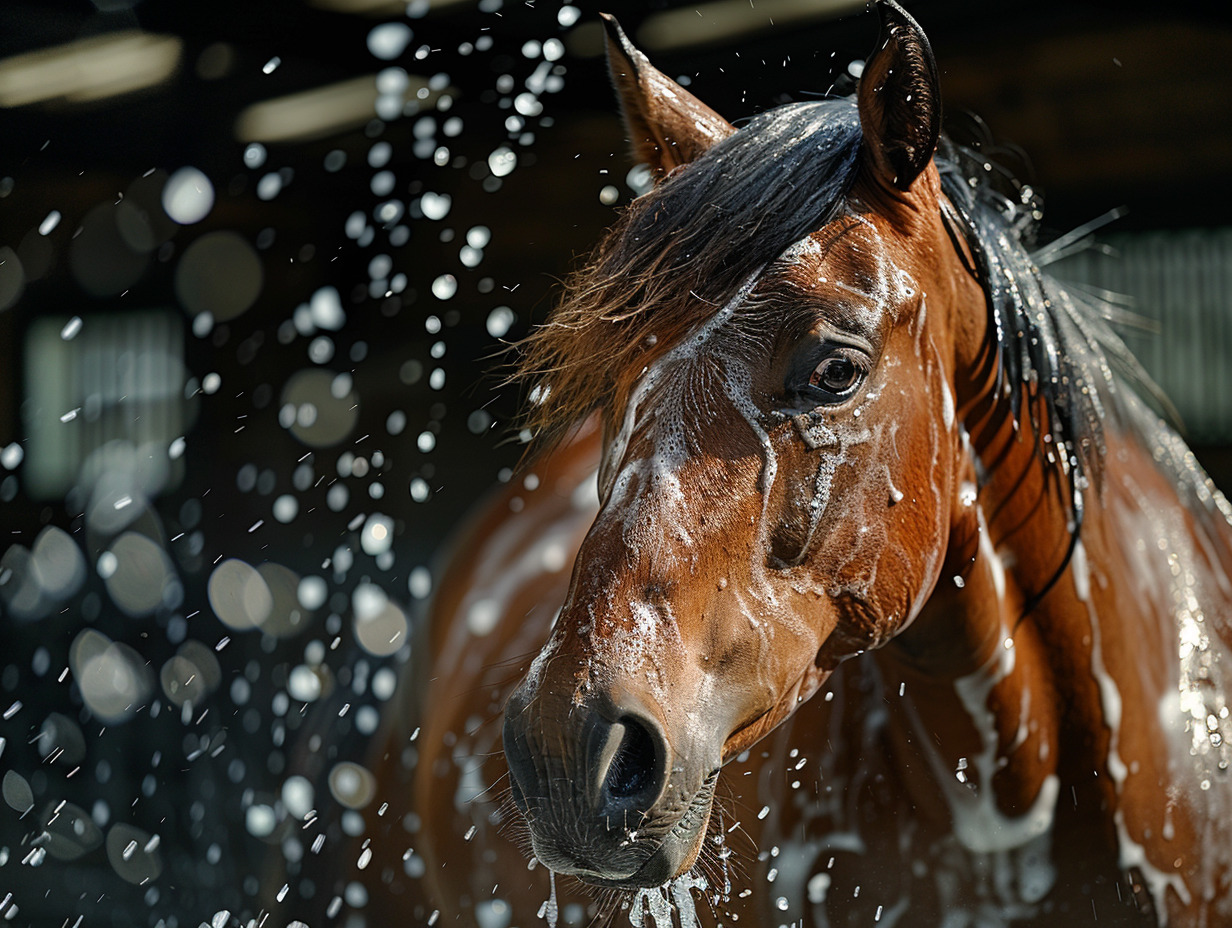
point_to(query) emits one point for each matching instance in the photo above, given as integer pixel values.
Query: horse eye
(838, 376)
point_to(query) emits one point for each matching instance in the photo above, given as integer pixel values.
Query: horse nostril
(632, 770)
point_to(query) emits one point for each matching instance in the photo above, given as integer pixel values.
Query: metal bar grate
(1181, 284)
(104, 394)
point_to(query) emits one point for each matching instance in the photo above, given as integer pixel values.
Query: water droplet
(435, 205)
(254, 155)
(499, 321)
(502, 161)
(11, 455)
(188, 196)
(444, 287)
(389, 40)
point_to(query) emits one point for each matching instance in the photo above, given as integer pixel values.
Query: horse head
(774, 338)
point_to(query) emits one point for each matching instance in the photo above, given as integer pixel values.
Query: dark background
(1105, 104)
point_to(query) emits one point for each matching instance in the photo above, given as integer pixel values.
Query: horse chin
(673, 857)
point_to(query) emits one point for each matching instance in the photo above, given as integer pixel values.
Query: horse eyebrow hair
(810, 310)
(790, 291)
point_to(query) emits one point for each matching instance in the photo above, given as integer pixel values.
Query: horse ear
(667, 125)
(900, 99)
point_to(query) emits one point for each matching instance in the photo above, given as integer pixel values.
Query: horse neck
(980, 679)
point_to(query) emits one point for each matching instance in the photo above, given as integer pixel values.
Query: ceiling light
(89, 69)
(381, 7)
(726, 20)
(324, 111)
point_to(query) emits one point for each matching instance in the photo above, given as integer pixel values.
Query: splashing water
(314, 450)
(549, 911)
(660, 901)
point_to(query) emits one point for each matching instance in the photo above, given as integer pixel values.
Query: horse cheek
(912, 504)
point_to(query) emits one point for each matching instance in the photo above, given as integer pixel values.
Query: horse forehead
(858, 257)
(692, 431)
(699, 421)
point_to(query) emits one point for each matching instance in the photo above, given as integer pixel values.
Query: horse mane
(1060, 361)
(683, 249)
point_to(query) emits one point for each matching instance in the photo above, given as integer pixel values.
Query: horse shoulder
(1160, 602)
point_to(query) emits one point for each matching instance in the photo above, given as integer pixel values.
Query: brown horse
(815, 420)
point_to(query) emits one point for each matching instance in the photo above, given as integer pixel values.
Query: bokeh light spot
(219, 274)
(389, 40)
(100, 258)
(17, 792)
(239, 596)
(380, 624)
(112, 677)
(377, 535)
(188, 196)
(143, 575)
(352, 785)
(71, 833)
(297, 796)
(320, 417)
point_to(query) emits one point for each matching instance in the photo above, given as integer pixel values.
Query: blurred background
(258, 262)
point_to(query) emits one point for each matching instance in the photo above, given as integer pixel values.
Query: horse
(858, 578)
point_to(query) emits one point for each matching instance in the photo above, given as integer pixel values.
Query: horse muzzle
(604, 796)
